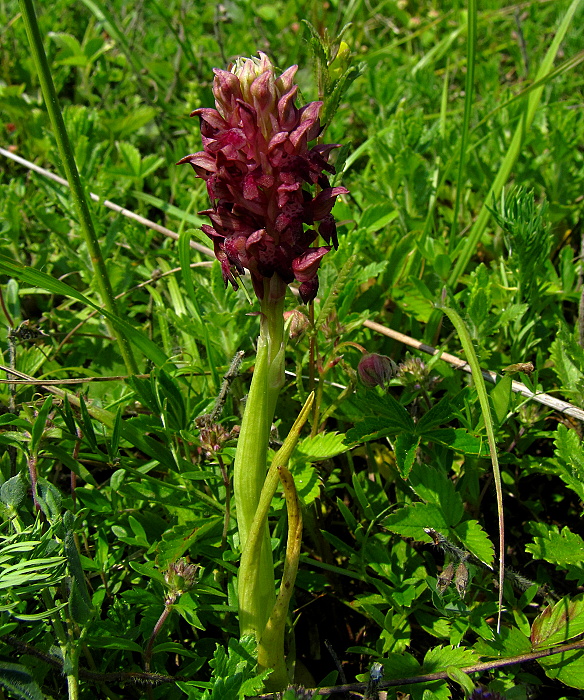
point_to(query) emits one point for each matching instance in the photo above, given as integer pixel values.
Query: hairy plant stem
(168, 603)
(68, 159)
(249, 472)
(70, 647)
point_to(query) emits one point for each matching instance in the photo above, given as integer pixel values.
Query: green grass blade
(567, 65)
(468, 102)
(514, 148)
(184, 255)
(77, 190)
(169, 209)
(479, 381)
(110, 24)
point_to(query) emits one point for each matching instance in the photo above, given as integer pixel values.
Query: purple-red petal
(322, 204)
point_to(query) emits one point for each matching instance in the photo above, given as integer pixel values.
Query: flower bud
(180, 576)
(376, 370)
(298, 322)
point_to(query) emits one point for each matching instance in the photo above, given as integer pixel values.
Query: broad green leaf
(13, 491)
(439, 414)
(500, 396)
(322, 446)
(88, 431)
(67, 42)
(11, 419)
(406, 447)
(439, 657)
(567, 667)
(510, 641)
(558, 623)
(369, 429)
(411, 520)
(570, 459)
(40, 424)
(387, 408)
(376, 216)
(564, 548)
(476, 540)
(433, 486)
(49, 498)
(460, 440)
(307, 482)
(400, 666)
(463, 679)
(79, 600)
(131, 156)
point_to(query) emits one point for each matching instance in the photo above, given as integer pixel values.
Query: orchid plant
(270, 200)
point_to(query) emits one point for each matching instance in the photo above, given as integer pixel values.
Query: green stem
(271, 641)
(250, 466)
(68, 159)
(70, 648)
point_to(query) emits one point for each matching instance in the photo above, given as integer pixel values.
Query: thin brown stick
(106, 202)
(95, 676)
(441, 675)
(58, 382)
(156, 678)
(519, 388)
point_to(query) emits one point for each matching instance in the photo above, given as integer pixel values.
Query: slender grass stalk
(471, 50)
(68, 159)
(481, 388)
